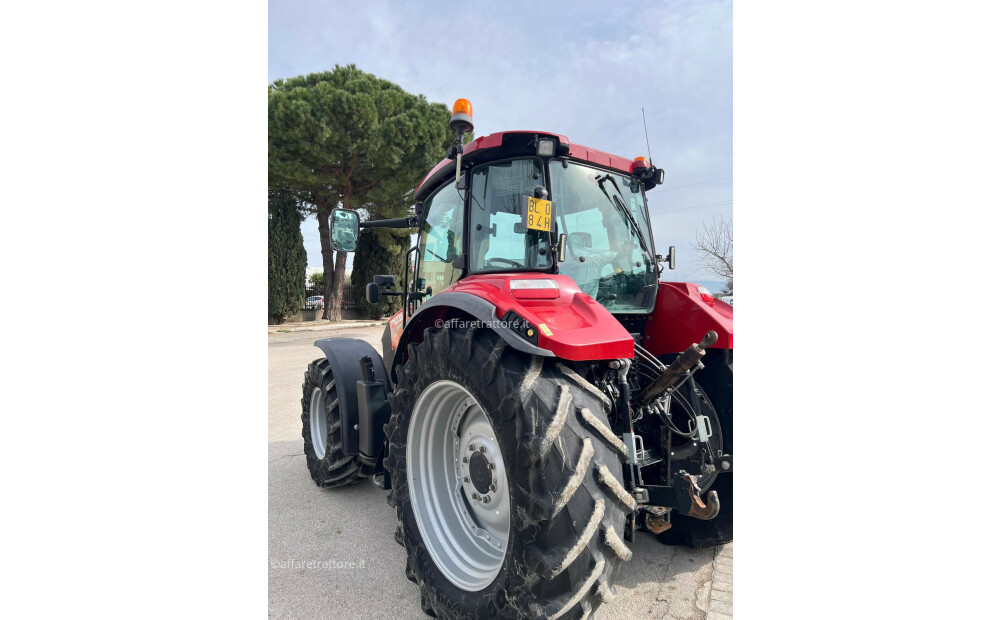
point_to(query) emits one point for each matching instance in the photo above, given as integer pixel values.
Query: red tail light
(706, 296)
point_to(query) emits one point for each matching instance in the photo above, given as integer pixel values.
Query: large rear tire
(697, 533)
(321, 430)
(556, 472)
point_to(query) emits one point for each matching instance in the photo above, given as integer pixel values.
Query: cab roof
(513, 143)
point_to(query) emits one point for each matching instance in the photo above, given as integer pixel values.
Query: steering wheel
(512, 263)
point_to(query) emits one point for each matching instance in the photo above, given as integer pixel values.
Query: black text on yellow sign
(538, 214)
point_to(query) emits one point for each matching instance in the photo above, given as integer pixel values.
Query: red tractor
(542, 397)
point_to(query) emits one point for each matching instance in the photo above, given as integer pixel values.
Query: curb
(720, 603)
(312, 326)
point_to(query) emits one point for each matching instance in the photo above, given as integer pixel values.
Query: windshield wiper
(619, 202)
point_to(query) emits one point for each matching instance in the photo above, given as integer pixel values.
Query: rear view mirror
(670, 259)
(345, 229)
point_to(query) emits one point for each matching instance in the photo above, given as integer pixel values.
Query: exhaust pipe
(676, 370)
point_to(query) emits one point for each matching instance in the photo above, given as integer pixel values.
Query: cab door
(440, 242)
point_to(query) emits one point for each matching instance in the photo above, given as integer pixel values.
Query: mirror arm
(399, 222)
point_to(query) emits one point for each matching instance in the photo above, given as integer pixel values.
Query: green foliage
(316, 281)
(286, 258)
(346, 137)
(381, 251)
(345, 131)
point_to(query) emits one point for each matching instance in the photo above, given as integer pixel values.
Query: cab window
(500, 239)
(441, 239)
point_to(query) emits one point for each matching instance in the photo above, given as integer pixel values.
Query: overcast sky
(582, 69)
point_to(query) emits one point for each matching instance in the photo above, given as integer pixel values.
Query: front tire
(557, 469)
(321, 430)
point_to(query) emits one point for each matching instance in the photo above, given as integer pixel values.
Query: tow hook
(684, 496)
(696, 507)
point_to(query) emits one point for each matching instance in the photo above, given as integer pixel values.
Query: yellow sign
(538, 214)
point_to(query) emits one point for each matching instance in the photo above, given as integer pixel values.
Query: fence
(347, 298)
(347, 301)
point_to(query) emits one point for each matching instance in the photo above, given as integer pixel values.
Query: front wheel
(322, 432)
(506, 479)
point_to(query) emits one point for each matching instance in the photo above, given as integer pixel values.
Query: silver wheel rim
(451, 448)
(317, 422)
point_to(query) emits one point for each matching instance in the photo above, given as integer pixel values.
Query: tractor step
(647, 459)
(636, 452)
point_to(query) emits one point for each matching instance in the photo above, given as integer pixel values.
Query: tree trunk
(338, 283)
(323, 217)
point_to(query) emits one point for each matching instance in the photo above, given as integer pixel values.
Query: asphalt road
(331, 553)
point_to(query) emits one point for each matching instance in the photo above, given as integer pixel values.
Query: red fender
(681, 317)
(569, 323)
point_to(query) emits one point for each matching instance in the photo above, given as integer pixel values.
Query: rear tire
(567, 503)
(325, 458)
(698, 533)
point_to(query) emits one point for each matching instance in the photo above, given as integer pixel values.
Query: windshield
(608, 249)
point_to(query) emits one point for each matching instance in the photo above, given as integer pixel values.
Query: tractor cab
(526, 201)
(543, 215)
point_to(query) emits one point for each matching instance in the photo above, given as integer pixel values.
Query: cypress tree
(381, 251)
(286, 259)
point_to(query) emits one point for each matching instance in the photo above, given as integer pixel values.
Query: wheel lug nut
(466, 478)
(471, 447)
(475, 496)
(491, 466)
(486, 499)
(482, 448)
(465, 459)
(493, 487)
